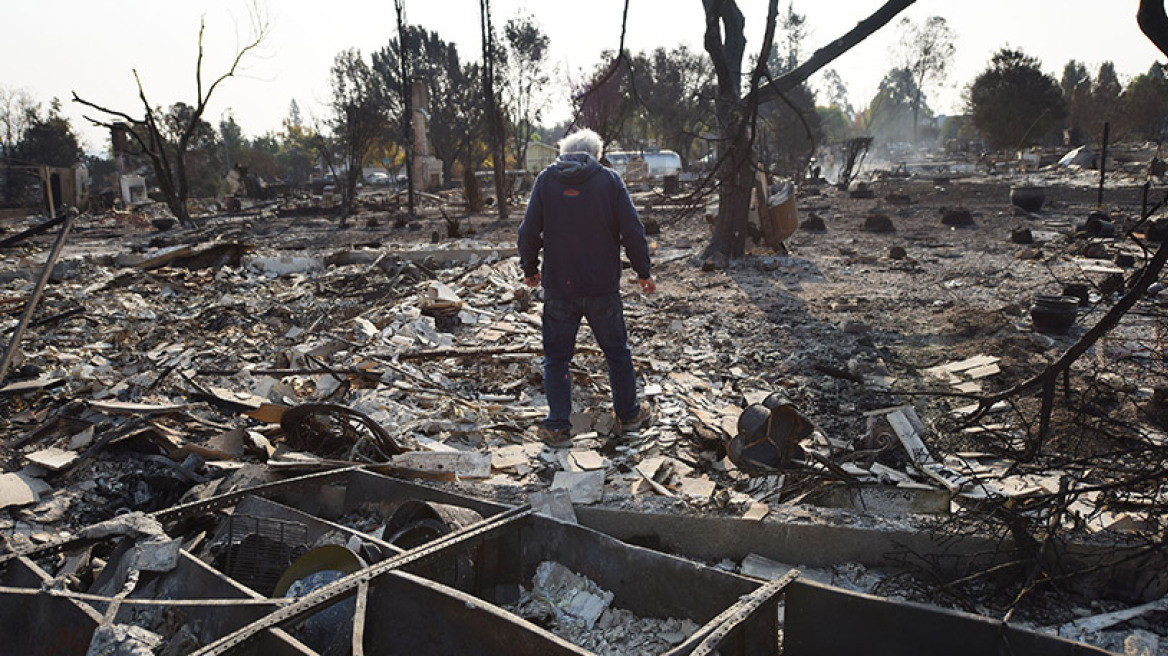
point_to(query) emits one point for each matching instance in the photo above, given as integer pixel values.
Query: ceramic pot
(1054, 314)
(1021, 236)
(1027, 198)
(1078, 290)
(1099, 226)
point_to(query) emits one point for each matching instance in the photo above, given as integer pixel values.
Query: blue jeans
(561, 322)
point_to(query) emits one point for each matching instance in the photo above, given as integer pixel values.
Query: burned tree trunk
(854, 151)
(735, 163)
(407, 94)
(1153, 23)
(470, 183)
(494, 114)
(359, 117)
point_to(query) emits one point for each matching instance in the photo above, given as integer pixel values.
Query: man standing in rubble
(579, 215)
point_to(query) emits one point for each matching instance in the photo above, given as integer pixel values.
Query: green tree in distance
(1013, 103)
(894, 112)
(49, 139)
(1076, 86)
(455, 101)
(677, 89)
(788, 131)
(1146, 104)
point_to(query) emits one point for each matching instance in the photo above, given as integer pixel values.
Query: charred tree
(725, 42)
(150, 133)
(407, 94)
(1153, 23)
(495, 126)
(854, 151)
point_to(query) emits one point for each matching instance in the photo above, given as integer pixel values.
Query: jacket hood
(574, 168)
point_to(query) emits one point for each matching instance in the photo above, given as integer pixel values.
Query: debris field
(167, 367)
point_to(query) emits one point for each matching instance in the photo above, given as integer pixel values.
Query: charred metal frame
(445, 595)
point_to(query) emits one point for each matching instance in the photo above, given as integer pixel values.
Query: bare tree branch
(831, 51)
(260, 29)
(100, 108)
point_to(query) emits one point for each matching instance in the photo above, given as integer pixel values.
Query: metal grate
(259, 549)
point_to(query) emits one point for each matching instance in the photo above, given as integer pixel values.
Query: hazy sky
(93, 46)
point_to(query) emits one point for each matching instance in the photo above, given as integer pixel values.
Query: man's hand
(532, 281)
(647, 285)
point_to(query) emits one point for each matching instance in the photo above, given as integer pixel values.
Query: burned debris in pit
(200, 421)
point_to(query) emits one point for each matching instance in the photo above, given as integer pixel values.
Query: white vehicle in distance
(377, 178)
(644, 164)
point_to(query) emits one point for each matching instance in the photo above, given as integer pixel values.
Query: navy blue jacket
(580, 214)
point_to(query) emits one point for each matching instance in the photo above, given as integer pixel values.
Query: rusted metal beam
(342, 588)
(710, 637)
(358, 648)
(129, 601)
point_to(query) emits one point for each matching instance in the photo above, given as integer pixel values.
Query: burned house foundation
(429, 571)
(182, 383)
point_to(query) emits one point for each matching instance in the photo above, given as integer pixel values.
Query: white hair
(582, 141)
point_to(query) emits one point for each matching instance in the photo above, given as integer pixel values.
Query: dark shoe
(555, 438)
(644, 418)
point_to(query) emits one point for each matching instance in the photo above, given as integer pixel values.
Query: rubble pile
(577, 610)
(165, 366)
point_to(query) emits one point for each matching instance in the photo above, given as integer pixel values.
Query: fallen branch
(482, 351)
(280, 373)
(30, 232)
(1087, 625)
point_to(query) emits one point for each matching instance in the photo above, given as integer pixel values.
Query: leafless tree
(725, 42)
(17, 112)
(494, 114)
(149, 132)
(407, 96)
(854, 151)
